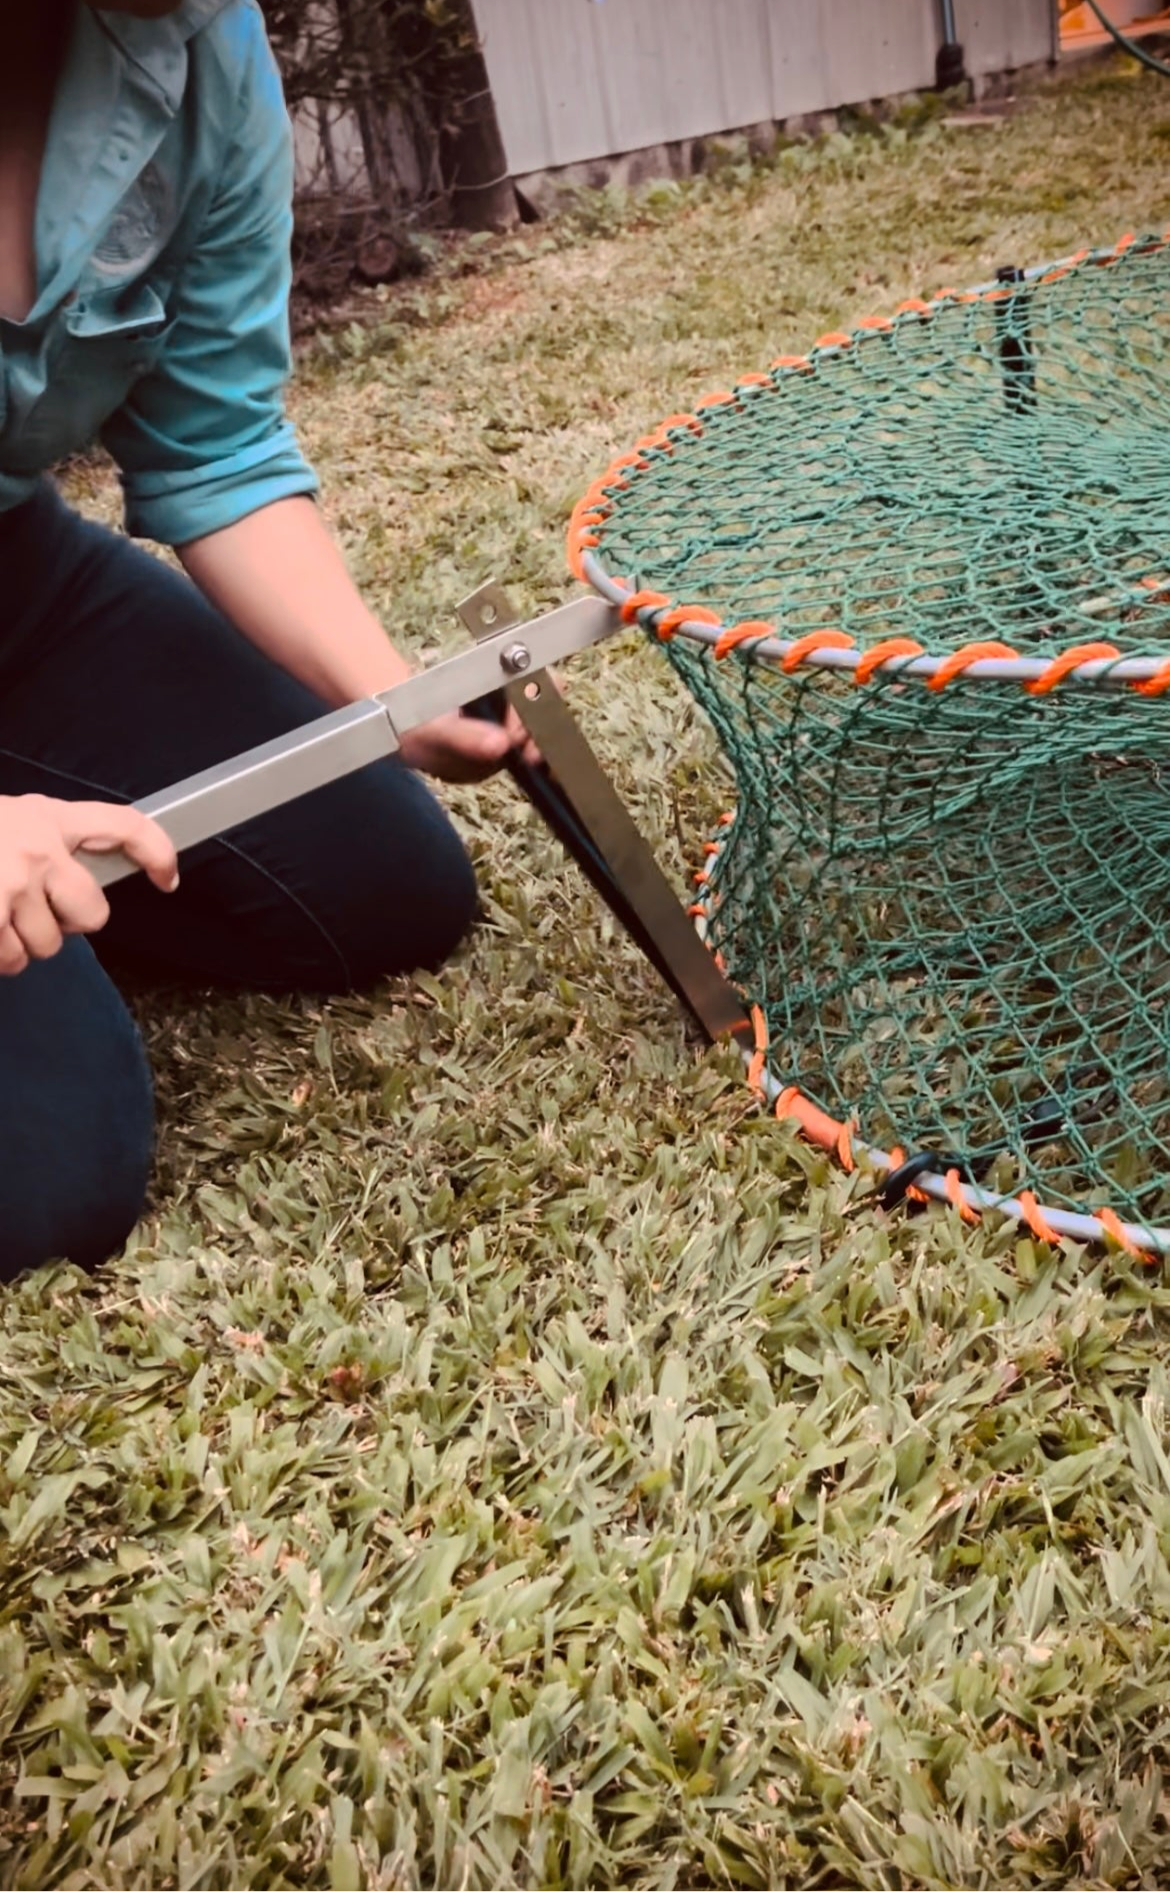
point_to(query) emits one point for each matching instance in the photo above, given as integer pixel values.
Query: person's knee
(105, 1192)
(419, 911)
(77, 1122)
(446, 917)
(363, 879)
(79, 1204)
(394, 888)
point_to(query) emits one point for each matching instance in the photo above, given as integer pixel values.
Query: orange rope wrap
(1156, 685)
(678, 614)
(600, 488)
(642, 601)
(579, 544)
(1071, 659)
(881, 653)
(632, 458)
(759, 1055)
(751, 631)
(659, 441)
(815, 640)
(1111, 1223)
(913, 1193)
(955, 1197)
(963, 658)
(815, 1124)
(1034, 1217)
(596, 500)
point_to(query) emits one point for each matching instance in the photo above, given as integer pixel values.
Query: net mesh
(951, 903)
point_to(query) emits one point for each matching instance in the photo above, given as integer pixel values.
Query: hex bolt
(516, 658)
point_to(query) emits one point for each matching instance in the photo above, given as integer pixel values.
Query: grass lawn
(501, 1458)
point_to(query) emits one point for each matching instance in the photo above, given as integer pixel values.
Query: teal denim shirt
(162, 245)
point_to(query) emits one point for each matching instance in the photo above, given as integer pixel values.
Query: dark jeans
(116, 678)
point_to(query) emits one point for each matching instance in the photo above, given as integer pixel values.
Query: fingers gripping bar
(219, 798)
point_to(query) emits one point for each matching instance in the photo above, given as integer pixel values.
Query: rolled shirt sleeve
(202, 439)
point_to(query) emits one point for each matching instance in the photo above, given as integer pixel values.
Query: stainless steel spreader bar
(335, 745)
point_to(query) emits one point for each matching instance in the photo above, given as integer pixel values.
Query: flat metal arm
(267, 777)
(634, 885)
(571, 790)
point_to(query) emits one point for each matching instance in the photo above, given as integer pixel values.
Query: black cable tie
(922, 1163)
(1043, 1122)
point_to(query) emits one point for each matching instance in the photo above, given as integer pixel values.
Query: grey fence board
(581, 79)
(574, 80)
(998, 34)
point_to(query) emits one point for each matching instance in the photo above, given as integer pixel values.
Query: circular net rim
(763, 641)
(759, 641)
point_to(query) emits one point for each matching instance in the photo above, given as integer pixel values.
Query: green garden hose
(1129, 45)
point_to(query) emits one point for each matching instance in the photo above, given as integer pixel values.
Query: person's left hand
(456, 748)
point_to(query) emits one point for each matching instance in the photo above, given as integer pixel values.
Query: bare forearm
(281, 579)
(279, 576)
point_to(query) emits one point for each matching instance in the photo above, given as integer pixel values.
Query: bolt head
(517, 659)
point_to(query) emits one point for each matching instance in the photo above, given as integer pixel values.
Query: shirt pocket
(96, 348)
(117, 331)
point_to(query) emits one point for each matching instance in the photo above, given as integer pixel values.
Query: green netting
(951, 904)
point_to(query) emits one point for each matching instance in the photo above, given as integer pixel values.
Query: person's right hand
(44, 893)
